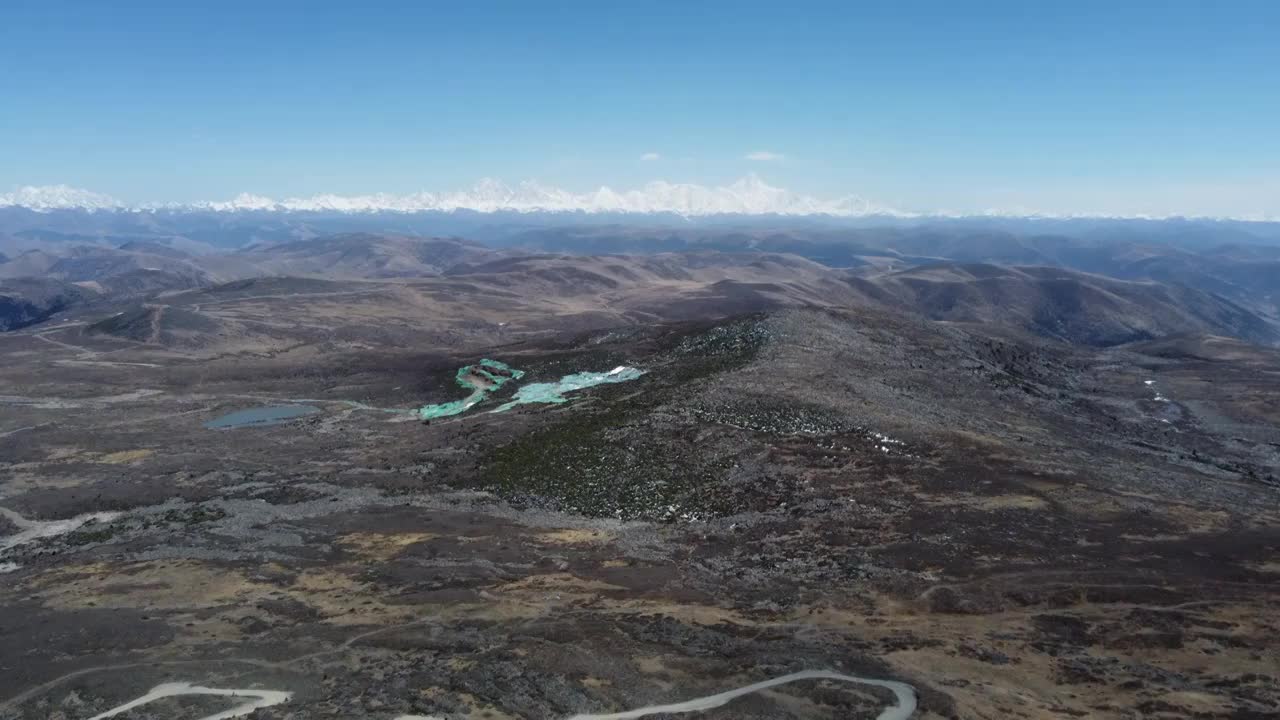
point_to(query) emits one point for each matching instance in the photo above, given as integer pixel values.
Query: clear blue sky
(920, 105)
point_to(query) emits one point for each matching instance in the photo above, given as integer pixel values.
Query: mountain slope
(365, 255)
(28, 301)
(1067, 305)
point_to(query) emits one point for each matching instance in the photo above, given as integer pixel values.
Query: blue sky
(1059, 106)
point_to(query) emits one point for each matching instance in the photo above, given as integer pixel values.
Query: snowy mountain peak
(56, 197)
(750, 195)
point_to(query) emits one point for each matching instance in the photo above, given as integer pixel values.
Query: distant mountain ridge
(748, 196)
(1147, 291)
(436, 283)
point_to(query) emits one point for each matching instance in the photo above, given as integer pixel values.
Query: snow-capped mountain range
(748, 196)
(58, 197)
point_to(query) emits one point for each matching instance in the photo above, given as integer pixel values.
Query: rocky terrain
(1015, 527)
(896, 472)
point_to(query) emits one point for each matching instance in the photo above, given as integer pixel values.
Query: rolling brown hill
(28, 301)
(485, 302)
(362, 287)
(365, 255)
(1066, 305)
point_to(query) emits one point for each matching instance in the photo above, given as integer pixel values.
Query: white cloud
(764, 156)
(650, 156)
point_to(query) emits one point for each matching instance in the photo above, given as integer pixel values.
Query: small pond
(260, 416)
